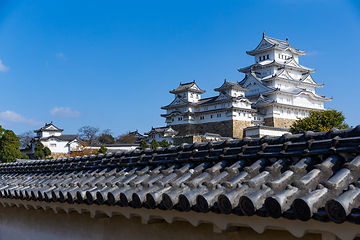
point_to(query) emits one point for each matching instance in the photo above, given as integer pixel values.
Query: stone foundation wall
(238, 128)
(223, 128)
(187, 139)
(279, 122)
(60, 155)
(233, 129)
(184, 129)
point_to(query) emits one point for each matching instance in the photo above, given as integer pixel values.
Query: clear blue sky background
(110, 64)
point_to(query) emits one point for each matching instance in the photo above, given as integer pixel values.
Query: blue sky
(111, 64)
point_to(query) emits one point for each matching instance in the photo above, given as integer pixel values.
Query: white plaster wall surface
(269, 132)
(20, 223)
(73, 146)
(56, 146)
(124, 148)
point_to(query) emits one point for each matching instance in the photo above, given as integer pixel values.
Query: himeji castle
(275, 91)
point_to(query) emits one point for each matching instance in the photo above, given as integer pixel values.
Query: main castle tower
(280, 88)
(275, 91)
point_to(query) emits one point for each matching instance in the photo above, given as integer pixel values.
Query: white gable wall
(254, 87)
(159, 137)
(304, 100)
(48, 134)
(57, 146)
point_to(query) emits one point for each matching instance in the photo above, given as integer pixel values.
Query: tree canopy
(164, 143)
(106, 139)
(88, 133)
(25, 139)
(126, 138)
(143, 145)
(41, 152)
(319, 121)
(102, 150)
(154, 144)
(82, 149)
(9, 146)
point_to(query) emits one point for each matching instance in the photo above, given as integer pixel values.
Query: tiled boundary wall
(20, 223)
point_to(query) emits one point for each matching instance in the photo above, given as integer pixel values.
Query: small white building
(51, 136)
(160, 134)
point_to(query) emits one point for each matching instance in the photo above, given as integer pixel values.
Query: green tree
(143, 145)
(9, 146)
(39, 151)
(102, 150)
(164, 143)
(106, 139)
(154, 144)
(47, 151)
(319, 121)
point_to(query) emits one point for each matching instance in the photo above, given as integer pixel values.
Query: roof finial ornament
(287, 40)
(263, 34)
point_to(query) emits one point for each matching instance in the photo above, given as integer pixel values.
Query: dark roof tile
(303, 176)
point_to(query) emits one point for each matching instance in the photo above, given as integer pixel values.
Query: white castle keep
(275, 91)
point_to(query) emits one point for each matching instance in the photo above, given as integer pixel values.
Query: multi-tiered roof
(277, 71)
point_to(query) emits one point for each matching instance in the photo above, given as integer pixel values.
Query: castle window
(52, 144)
(191, 95)
(197, 96)
(180, 119)
(218, 115)
(279, 55)
(267, 56)
(210, 116)
(172, 119)
(202, 117)
(259, 59)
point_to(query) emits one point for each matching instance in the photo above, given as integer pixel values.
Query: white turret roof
(268, 43)
(283, 74)
(289, 63)
(230, 85)
(187, 87)
(49, 127)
